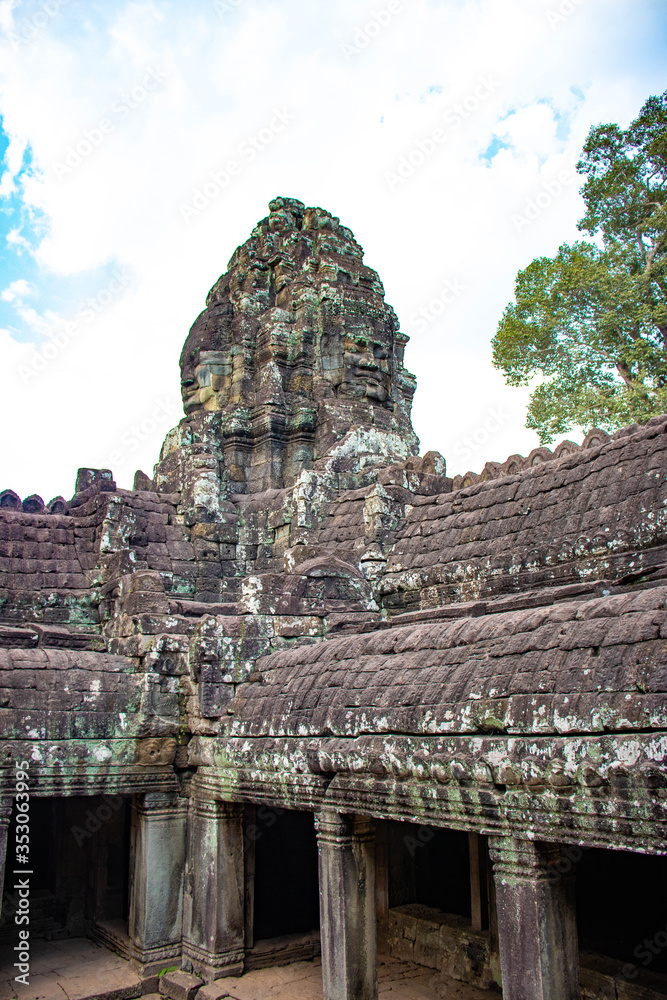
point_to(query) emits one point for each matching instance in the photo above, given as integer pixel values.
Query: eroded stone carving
(295, 349)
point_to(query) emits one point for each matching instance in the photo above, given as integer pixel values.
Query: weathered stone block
(204, 548)
(179, 985)
(147, 604)
(217, 532)
(213, 991)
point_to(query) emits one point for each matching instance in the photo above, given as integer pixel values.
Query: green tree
(592, 321)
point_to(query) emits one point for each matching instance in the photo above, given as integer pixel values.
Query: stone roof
(559, 521)
(136, 614)
(591, 666)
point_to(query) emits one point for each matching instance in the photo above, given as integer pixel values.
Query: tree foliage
(592, 321)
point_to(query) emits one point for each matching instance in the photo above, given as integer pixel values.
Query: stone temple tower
(296, 350)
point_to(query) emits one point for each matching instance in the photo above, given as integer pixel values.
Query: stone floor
(81, 970)
(76, 969)
(303, 981)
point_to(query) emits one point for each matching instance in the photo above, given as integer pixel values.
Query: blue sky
(22, 279)
(116, 116)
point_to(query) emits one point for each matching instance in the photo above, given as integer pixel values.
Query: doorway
(282, 889)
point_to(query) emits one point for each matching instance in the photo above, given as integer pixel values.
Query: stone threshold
(284, 950)
(113, 934)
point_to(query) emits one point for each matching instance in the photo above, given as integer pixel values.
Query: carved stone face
(366, 370)
(190, 387)
(357, 366)
(198, 376)
(296, 346)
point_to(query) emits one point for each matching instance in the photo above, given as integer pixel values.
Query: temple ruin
(300, 694)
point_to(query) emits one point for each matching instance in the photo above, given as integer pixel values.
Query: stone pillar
(214, 922)
(157, 863)
(537, 929)
(5, 814)
(346, 847)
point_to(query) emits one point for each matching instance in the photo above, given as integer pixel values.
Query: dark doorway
(622, 907)
(430, 866)
(286, 889)
(435, 900)
(47, 911)
(79, 858)
(110, 859)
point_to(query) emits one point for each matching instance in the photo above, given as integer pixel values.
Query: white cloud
(15, 239)
(6, 8)
(354, 118)
(531, 131)
(7, 186)
(16, 291)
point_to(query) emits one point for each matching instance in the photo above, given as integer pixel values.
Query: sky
(141, 141)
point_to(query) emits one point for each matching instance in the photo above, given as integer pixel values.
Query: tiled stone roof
(588, 666)
(559, 521)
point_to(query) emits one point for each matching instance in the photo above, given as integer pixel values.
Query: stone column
(157, 863)
(5, 815)
(537, 929)
(347, 906)
(214, 922)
